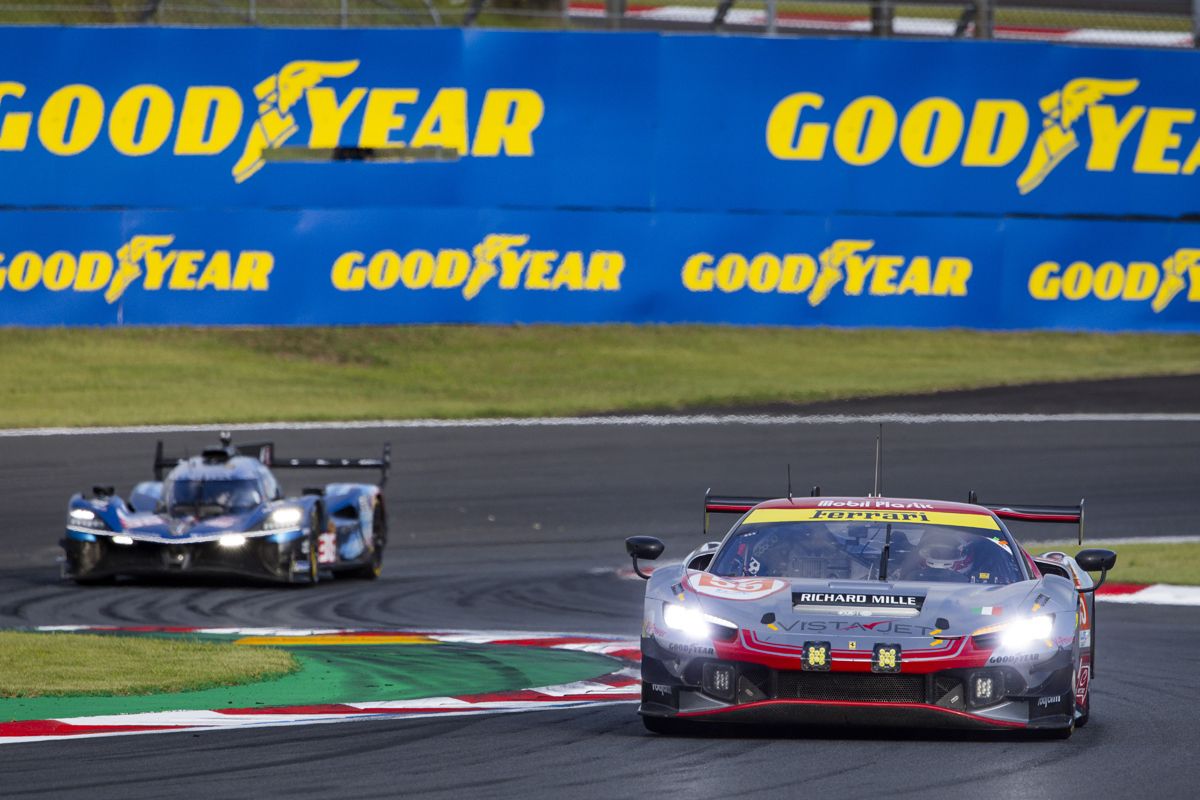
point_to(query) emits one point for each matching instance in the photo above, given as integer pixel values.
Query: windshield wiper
(883, 557)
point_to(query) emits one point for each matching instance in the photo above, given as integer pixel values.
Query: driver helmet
(945, 551)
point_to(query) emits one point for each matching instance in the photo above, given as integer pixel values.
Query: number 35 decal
(327, 548)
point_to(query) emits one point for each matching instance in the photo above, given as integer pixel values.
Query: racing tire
(372, 569)
(667, 726)
(314, 569)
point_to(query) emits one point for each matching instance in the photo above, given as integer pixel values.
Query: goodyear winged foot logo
(1062, 109)
(277, 96)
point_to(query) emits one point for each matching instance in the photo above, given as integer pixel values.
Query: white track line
(633, 420)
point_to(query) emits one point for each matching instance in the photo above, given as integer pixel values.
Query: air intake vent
(851, 687)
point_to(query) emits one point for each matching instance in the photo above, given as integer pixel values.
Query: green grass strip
(161, 375)
(1177, 564)
(46, 665)
(328, 674)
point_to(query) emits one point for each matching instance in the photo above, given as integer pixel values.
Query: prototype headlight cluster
(280, 518)
(86, 518)
(695, 624)
(1024, 632)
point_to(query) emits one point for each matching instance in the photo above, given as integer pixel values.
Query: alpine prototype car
(223, 512)
(870, 610)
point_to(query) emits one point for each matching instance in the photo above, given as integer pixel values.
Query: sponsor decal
(735, 588)
(690, 649)
(762, 515)
(1135, 282)
(993, 133)
(1022, 658)
(846, 262)
(500, 257)
(882, 626)
(150, 259)
(845, 599)
(214, 121)
(1085, 638)
(660, 688)
(1044, 702)
(873, 504)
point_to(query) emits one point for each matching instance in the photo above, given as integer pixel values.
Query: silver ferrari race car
(870, 610)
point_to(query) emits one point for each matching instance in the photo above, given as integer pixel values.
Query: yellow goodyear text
(500, 257)
(146, 260)
(1137, 281)
(848, 265)
(993, 132)
(146, 119)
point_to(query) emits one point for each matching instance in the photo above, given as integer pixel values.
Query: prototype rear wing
(265, 453)
(1024, 512)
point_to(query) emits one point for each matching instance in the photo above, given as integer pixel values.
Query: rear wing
(265, 453)
(736, 504)
(1024, 512)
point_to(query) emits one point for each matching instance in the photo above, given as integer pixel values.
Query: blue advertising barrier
(469, 265)
(160, 176)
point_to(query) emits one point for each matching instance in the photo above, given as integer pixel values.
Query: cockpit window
(206, 498)
(856, 551)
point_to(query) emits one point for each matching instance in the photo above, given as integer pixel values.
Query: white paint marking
(634, 420)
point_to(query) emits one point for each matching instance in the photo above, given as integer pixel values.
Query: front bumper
(724, 691)
(260, 557)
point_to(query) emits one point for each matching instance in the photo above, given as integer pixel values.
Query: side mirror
(1096, 560)
(646, 547)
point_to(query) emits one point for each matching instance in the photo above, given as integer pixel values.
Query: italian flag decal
(989, 611)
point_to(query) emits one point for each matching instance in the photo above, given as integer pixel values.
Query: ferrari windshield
(211, 497)
(854, 550)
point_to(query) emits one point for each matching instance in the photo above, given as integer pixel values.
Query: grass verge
(64, 664)
(1178, 564)
(53, 377)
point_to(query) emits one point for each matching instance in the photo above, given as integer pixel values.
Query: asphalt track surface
(505, 528)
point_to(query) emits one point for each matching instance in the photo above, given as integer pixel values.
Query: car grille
(851, 687)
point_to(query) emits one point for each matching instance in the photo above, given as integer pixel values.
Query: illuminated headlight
(695, 624)
(283, 518)
(1024, 632)
(232, 540)
(122, 539)
(85, 518)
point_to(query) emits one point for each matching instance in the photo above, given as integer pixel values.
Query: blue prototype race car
(223, 513)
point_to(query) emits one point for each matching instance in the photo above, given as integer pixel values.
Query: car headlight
(86, 518)
(1024, 632)
(288, 517)
(696, 624)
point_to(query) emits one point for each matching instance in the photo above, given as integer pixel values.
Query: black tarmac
(522, 528)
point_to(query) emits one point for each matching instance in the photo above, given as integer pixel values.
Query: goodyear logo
(150, 260)
(213, 120)
(1137, 281)
(847, 265)
(993, 133)
(502, 258)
